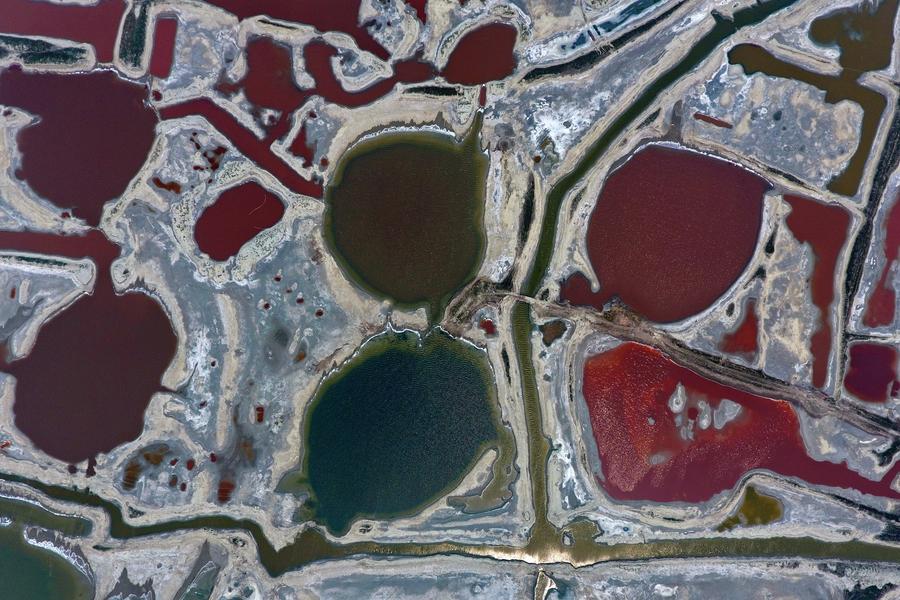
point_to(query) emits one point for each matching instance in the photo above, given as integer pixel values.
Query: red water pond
(484, 54)
(743, 340)
(671, 232)
(648, 452)
(77, 156)
(97, 25)
(872, 372)
(235, 218)
(882, 304)
(163, 47)
(84, 386)
(824, 227)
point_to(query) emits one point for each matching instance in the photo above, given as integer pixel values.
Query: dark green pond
(28, 571)
(405, 216)
(398, 427)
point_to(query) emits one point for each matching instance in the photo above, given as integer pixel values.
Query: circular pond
(404, 216)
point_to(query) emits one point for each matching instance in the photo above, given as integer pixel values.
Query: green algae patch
(756, 509)
(405, 216)
(398, 427)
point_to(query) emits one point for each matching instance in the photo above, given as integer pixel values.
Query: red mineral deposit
(648, 451)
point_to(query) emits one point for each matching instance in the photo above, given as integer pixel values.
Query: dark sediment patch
(97, 25)
(404, 215)
(872, 373)
(77, 156)
(83, 388)
(671, 232)
(236, 216)
(648, 451)
(483, 54)
(552, 331)
(397, 427)
(824, 227)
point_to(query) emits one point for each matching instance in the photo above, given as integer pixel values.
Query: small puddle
(756, 509)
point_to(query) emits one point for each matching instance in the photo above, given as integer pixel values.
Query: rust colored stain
(482, 55)
(76, 155)
(260, 413)
(488, 327)
(226, 488)
(713, 121)
(882, 304)
(872, 373)
(552, 331)
(132, 473)
(190, 464)
(824, 227)
(96, 25)
(671, 232)
(648, 452)
(171, 186)
(237, 215)
(743, 340)
(163, 47)
(84, 386)
(301, 148)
